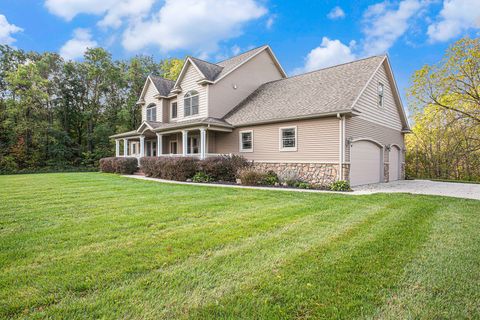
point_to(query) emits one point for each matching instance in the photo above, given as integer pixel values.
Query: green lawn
(80, 245)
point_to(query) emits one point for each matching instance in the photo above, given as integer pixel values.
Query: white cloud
(329, 53)
(270, 21)
(6, 30)
(384, 24)
(75, 47)
(336, 13)
(113, 11)
(455, 17)
(197, 25)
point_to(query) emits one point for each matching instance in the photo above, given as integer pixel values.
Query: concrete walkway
(427, 187)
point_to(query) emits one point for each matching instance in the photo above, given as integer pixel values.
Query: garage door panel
(366, 160)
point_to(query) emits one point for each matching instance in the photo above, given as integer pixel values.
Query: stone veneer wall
(314, 173)
(386, 172)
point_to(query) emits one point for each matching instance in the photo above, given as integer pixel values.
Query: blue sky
(305, 35)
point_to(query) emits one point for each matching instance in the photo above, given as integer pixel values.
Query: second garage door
(365, 163)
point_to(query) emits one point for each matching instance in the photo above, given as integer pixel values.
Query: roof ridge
(256, 48)
(330, 67)
(195, 58)
(154, 75)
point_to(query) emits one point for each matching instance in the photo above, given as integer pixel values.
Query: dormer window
(152, 112)
(190, 103)
(380, 94)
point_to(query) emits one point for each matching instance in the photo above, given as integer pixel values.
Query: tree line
(444, 102)
(59, 114)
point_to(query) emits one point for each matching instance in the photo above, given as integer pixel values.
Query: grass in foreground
(93, 245)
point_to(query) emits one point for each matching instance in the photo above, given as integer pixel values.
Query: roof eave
(303, 117)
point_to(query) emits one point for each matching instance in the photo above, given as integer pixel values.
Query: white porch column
(125, 147)
(203, 142)
(117, 148)
(142, 146)
(159, 144)
(184, 142)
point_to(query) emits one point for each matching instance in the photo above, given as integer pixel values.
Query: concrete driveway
(450, 189)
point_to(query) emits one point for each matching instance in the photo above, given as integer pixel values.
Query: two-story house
(345, 122)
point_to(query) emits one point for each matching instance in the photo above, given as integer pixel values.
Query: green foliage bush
(271, 178)
(302, 185)
(120, 165)
(340, 185)
(202, 177)
(170, 168)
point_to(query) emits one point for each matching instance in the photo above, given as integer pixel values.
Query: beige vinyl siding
(317, 141)
(148, 97)
(388, 115)
(189, 82)
(211, 142)
(358, 128)
(165, 110)
(222, 95)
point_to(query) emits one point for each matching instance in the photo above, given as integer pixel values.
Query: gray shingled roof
(324, 91)
(209, 70)
(163, 85)
(187, 123)
(214, 71)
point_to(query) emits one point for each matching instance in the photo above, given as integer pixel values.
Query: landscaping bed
(226, 170)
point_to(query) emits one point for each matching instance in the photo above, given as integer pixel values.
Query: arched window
(151, 112)
(190, 103)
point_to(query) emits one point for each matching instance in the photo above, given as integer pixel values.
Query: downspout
(341, 144)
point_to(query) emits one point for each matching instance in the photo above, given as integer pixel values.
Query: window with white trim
(380, 94)
(152, 112)
(246, 141)
(174, 110)
(190, 103)
(288, 139)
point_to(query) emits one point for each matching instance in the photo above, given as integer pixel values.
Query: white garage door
(365, 162)
(394, 164)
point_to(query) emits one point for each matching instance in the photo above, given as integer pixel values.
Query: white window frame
(240, 135)
(280, 139)
(380, 101)
(171, 109)
(190, 95)
(150, 107)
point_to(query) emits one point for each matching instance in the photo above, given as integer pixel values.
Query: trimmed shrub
(202, 177)
(170, 168)
(223, 168)
(271, 178)
(302, 185)
(251, 177)
(118, 165)
(340, 185)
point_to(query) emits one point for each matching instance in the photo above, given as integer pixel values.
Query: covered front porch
(191, 142)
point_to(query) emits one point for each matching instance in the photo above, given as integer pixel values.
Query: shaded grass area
(82, 245)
